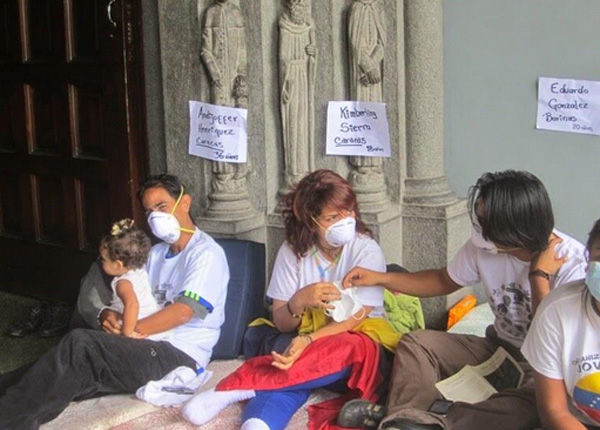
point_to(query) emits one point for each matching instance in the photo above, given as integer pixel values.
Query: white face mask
(592, 279)
(480, 242)
(341, 233)
(347, 306)
(165, 226)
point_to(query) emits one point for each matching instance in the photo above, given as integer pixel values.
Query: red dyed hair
(314, 192)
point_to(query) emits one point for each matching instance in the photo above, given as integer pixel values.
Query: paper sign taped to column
(568, 105)
(218, 133)
(357, 128)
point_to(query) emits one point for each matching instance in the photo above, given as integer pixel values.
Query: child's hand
(110, 321)
(136, 335)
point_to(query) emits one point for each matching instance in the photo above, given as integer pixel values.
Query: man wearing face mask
(188, 273)
(518, 257)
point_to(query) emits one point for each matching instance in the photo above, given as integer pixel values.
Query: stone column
(435, 221)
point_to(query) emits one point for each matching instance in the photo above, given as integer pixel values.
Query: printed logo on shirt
(586, 395)
(512, 307)
(161, 293)
(588, 362)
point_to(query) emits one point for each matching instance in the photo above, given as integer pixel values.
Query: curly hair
(128, 244)
(310, 196)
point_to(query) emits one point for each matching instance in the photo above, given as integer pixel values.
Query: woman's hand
(317, 295)
(292, 352)
(361, 277)
(547, 260)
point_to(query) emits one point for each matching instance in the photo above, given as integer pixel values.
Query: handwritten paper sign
(569, 105)
(218, 133)
(357, 128)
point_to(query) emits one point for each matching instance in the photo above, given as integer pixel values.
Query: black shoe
(360, 414)
(405, 424)
(32, 323)
(57, 322)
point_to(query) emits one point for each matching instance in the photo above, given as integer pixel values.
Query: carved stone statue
(297, 65)
(223, 52)
(367, 37)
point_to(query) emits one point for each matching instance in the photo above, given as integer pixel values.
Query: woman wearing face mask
(325, 238)
(563, 346)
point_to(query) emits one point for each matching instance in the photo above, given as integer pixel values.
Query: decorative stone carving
(223, 52)
(367, 38)
(297, 66)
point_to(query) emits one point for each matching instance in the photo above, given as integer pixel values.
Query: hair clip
(121, 226)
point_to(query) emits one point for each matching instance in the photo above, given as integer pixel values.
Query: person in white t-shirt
(563, 347)
(188, 273)
(325, 238)
(123, 253)
(518, 257)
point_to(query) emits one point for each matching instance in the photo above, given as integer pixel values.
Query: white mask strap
(362, 316)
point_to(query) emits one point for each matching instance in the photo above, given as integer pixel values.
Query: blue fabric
(245, 293)
(276, 407)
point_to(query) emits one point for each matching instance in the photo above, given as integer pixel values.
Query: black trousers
(84, 364)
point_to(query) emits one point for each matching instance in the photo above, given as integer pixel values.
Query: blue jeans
(85, 364)
(276, 407)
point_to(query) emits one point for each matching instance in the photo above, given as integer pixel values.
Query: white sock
(205, 406)
(254, 424)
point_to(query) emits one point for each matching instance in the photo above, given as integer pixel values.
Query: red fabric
(323, 357)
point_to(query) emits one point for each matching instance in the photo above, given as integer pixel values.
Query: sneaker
(32, 323)
(57, 321)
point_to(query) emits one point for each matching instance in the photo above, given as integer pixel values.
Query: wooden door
(71, 136)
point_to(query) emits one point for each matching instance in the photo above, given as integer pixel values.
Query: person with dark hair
(518, 257)
(337, 335)
(187, 271)
(563, 346)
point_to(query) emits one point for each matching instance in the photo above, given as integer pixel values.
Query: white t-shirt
(199, 271)
(564, 343)
(505, 279)
(290, 274)
(141, 288)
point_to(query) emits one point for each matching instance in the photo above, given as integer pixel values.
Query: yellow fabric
(381, 331)
(261, 321)
(313, 320)
(378, 329)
